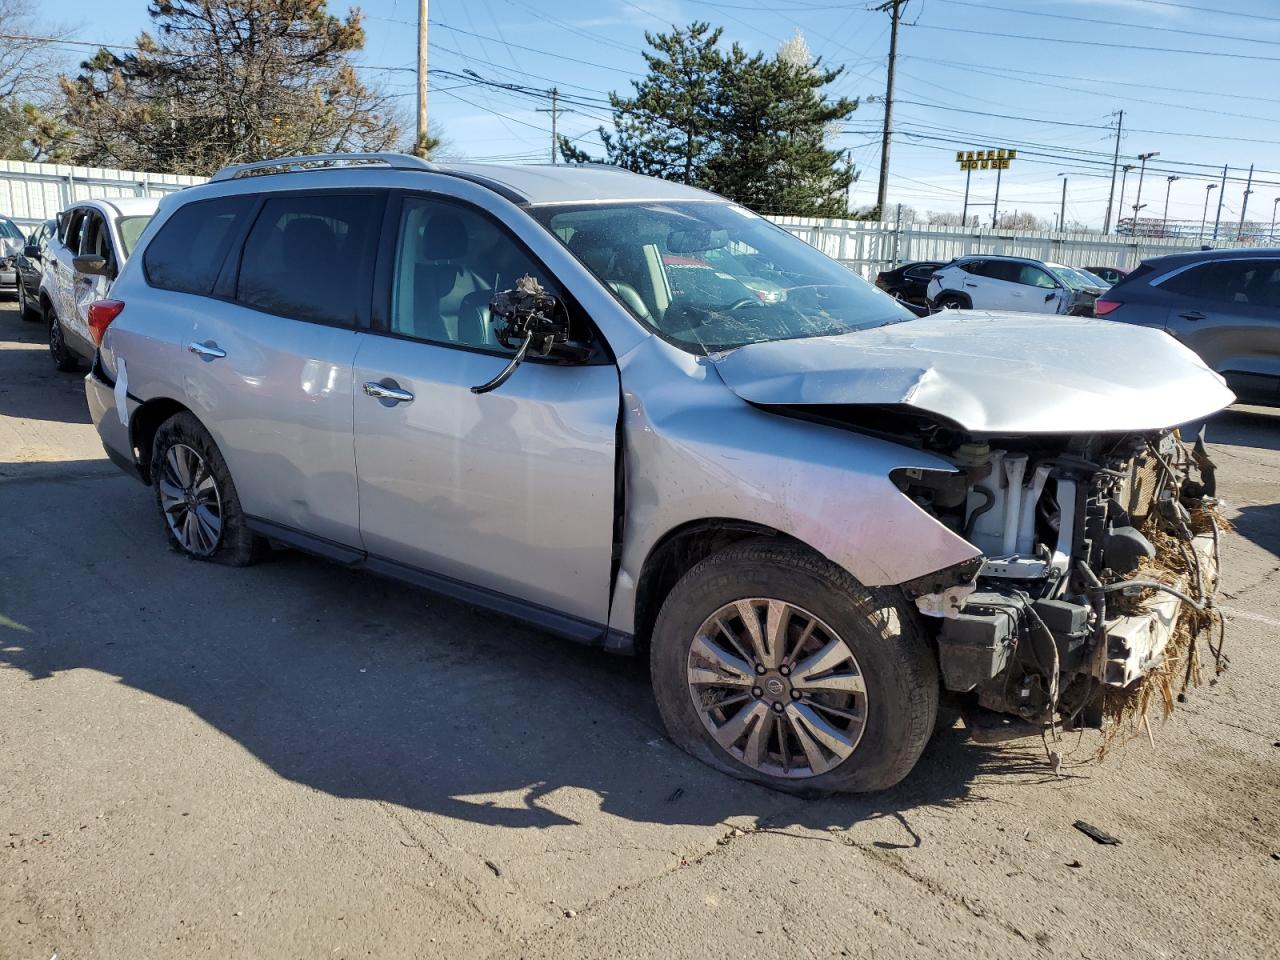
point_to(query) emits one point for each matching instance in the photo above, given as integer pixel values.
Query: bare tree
(28, 65)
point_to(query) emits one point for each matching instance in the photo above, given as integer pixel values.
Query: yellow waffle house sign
(985, 159)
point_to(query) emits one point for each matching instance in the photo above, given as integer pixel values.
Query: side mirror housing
(1050, 296)
(92, 265)
(31, 251)
(534, 323)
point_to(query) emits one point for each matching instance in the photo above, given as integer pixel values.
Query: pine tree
(226, 81)
(667, 127)
(750, 127)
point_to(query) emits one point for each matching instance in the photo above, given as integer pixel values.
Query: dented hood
(991, 373)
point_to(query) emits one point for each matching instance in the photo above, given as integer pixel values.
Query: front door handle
(387, 392)
(1192, 315)
(206, 351)
(970, 284)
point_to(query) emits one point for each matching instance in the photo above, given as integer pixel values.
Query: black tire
(897, 664)
(953, 301)
(25, 310)
(236, 545)
(63, 358)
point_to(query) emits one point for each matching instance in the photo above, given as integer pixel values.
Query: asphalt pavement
(294, 760)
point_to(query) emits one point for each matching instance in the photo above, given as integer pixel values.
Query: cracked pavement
(294, 760)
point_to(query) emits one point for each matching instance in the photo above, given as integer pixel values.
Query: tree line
(213, 82)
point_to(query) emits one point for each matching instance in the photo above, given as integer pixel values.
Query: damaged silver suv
(645, 418)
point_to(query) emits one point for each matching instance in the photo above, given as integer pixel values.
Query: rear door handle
(207, 351)
(1192, 315)
(387, 392)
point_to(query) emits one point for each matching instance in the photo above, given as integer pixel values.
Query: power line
(1101, 43)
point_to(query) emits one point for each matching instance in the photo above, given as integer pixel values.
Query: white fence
(33, 192)
(868, 246)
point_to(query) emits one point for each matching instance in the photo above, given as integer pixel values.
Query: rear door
(62, 271)
(992, 285)
(268, 361)
(95, 241)
(1228, 311)
(511, 491)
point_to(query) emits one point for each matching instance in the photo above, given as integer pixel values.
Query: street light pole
(1272, 232)
(1137, 204)
(1124, 178)
(1204, 217)
(1062, 210)
(1168, 185)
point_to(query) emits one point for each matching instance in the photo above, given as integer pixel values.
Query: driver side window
(450, 261)
(1035, 277)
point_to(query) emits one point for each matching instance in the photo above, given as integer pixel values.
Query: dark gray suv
(1223, 304)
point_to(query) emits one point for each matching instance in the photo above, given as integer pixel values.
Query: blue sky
(1049, 86)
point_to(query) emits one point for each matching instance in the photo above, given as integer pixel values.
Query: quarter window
(307, 257)
(186, 254)
(450, 261)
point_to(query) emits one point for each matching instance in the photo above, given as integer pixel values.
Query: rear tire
(861, 639)
(953, 301)
(196, 497)
(63, 358)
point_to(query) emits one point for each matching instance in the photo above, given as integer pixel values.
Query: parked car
(10, 247)
(93, 242)
(30, 267)
(1011, 283)
(487, 381)
(1223, 304)
(909, 282)
(1112, 275)
(1091, 279)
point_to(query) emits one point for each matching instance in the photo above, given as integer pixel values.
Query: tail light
(1103, 306)
(101, 313)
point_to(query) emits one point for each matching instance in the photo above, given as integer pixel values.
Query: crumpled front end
(1098, 571)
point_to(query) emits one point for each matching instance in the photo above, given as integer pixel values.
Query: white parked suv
(94, 239)
(1011, 283)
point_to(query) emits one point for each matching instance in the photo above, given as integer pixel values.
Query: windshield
(714, 276)
(130, 229)
(9, 229)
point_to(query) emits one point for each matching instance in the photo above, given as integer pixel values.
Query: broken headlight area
(1098, 568)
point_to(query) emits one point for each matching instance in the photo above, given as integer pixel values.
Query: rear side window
(309, 257)
(1005, 270)
(1188, 283)
(186, 254)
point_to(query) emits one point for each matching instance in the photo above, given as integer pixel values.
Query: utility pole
(1244, 204)
(995, 207)
(420, 145)
(1062, 210)
(894, 9)
(1274, 204)
(1168, 185)
(1221, 190)
(1205, 216)
(1115, 160)
(555, 115)
(1137, 204)
(964, 216)
(1124, 178)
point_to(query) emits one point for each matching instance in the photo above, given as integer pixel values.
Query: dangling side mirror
(534, 322)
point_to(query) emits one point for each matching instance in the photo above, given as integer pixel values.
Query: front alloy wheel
(777, 688)
(190, 500)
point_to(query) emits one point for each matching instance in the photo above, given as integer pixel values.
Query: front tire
(197, 498)
(774, 665)
(25, 310)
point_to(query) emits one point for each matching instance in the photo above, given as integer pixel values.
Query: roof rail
(321, 161)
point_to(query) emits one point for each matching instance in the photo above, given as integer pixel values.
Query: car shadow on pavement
(1243, 426)
(364, 688)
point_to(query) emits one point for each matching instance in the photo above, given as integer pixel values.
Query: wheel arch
(942, 295)
(682, 548)
(144, 423)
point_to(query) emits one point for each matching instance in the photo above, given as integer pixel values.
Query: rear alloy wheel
(772, 664)
(953, 302)
(63, 358)
(197, 499)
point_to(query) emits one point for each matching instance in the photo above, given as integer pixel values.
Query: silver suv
(645, 418)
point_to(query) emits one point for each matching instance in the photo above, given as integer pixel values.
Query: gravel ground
(298, 761)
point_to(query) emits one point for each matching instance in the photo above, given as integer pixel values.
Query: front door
(511, 491)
